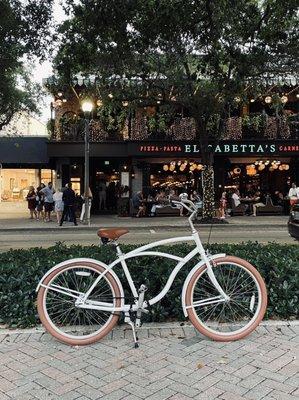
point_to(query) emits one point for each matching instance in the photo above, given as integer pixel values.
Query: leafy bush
(20, 271)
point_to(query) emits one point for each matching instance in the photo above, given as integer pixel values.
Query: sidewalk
(173, 362)
(14, 216)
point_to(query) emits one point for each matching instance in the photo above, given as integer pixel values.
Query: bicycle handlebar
(188, 205)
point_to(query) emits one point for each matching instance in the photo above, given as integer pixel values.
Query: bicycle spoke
(231, 315)
(63, 311)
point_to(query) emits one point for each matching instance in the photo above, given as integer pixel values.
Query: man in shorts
(48, 201)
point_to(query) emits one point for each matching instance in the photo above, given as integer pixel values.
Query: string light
(208, 191)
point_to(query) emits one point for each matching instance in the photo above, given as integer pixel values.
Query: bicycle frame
(145, 251)
(82, 300)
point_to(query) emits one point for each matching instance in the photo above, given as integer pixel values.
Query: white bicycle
(80, 300)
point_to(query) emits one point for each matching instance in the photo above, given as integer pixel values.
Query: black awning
(23, 150)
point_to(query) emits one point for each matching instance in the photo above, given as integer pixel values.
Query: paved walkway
(172, 362)
(14, 216)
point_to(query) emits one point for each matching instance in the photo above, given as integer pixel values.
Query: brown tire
(56, 332)
(198, 324)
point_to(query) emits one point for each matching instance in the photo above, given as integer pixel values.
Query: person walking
(89, 195)
(48, 192)
(31, 199)
(69, 198)
(59, 206)
(138, 204)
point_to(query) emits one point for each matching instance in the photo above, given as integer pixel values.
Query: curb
(151, 326)
(138, 227)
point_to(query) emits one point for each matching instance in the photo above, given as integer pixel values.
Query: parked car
(293, 224)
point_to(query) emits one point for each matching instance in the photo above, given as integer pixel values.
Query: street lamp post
(87, 107)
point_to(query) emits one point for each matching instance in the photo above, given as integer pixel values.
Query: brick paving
(172, 362)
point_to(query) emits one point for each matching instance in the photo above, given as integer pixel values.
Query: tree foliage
(200, 55)
(24, 34)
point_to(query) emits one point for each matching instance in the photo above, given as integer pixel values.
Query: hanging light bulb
(286, 167)
(199, 167)
(237, 171)
(268, 99)
(165, 167)
(261, 167)
(58, 103)
(99, 103)
(110, 95)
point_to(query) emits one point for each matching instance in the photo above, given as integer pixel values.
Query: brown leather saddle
(111, 233)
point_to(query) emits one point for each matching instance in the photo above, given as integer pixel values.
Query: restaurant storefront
(269, 166)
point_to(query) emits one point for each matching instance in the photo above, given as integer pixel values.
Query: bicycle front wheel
(232, 319)
(57, 309)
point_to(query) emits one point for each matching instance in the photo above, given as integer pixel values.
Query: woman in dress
(89, 195)
(31, 199)
(223, 205)
(40, 202)
(59, 206)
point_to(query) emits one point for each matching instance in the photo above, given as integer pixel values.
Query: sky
(44, 70)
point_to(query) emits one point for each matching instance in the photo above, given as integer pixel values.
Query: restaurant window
(46, 176)
(76, 185)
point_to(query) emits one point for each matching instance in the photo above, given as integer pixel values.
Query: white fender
(82, 260)
(187, 280)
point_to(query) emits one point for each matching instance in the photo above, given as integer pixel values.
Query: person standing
(48, 192)
(40, 202)
(59, 206)
(31, 199)
(293, 194)
(69, 198)
(89, 195)
(102, 195)
(223, 205)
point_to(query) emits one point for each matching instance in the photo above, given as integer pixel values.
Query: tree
(204, 56)
(24, 34)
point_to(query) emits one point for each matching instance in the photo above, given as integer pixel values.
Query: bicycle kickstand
(132, 325)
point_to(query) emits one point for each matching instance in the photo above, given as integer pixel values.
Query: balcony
(142, 129)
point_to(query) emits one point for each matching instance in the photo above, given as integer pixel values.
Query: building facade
(143, 152)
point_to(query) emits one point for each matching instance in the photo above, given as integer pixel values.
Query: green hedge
(20, 271)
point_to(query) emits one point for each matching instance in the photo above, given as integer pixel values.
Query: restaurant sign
(223, 148)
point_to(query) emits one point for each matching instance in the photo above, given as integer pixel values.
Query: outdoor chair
(237, 210)
(269, 209)
(167, 210)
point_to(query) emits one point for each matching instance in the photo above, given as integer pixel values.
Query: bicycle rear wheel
(240, 315)
(62, 318)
